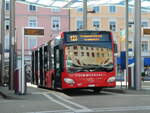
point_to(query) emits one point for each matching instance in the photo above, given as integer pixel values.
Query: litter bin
(16, 81)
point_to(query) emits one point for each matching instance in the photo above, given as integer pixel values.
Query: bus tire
(97, 90)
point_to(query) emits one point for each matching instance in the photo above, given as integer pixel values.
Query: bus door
(57, 66)
(41, 78)
(36, 67)
(46, 63)
(33, 67)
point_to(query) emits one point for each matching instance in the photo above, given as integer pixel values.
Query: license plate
(91, 85)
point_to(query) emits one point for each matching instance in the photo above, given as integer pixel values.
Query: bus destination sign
(34, 31)
(88, 38)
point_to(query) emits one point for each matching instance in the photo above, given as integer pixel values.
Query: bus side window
(56, 56)
(115, 48)
(57, 59)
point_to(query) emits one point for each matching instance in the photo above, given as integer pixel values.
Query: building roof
(145, 4)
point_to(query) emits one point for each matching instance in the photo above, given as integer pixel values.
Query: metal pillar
(2, 41)
(22, 75)
(84, 14)
(12, 41)
(126, 41)
(69, 19)
(137, 44)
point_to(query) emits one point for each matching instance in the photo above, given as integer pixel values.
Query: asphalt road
(76, 101)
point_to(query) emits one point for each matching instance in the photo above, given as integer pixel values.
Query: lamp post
(12, 43)
(2, 42)
(126, 41)
(85, 14)
(137, 44)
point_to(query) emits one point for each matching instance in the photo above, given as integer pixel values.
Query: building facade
(113, 18)
(53, 21)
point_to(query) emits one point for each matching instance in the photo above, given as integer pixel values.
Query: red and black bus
(75, 59)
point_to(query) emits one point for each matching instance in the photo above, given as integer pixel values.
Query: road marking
(94, 110)
(54, 93)
(115, 109)
(6, 101)
(82, 108)
(73, 103)
(58, 102)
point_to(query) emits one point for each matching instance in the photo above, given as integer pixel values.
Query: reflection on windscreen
(81, 58)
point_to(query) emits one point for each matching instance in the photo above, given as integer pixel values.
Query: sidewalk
(10, 94)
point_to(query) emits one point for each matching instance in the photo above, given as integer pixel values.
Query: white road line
(133, 108)
(73, 103)
(82, 108)
(98, 110)
(60, 103)
(55, 111)
(5, 101)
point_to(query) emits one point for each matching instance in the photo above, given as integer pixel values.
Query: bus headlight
(111, 79)
(69, 80)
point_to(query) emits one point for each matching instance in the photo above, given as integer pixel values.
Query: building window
(55, 10)
(32, 42)
(112, 25)
(82, 53)
(82, 48)
(130, 45)
(93, 55)
(79, 24)
(144, 46)
(96, 9)
(55, 23)
(88, 54)
(112, 9)
(75, 47)
(32, 21)
(96, 24)
(98, 55)
(144, 24)
(131, 23)
(7, 42)
(32, 8)
(7, 6)
(130, 10)
(76, 53)
(79, 9)
(7, 24)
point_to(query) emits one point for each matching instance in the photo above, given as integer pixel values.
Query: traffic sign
(146, 31)
(34, 31)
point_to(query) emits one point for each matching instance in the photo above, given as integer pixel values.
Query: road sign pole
(85, 14)
(126, 42)
(12, 41)
(137, 44)
(22, 75)
(2, 42)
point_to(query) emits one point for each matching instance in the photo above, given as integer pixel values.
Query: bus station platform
(32, 89)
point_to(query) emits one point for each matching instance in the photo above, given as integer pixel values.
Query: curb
(122, 91)
(4, 95)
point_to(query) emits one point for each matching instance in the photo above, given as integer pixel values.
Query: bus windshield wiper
(103, 68)
(91, 68)
(77, 69)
